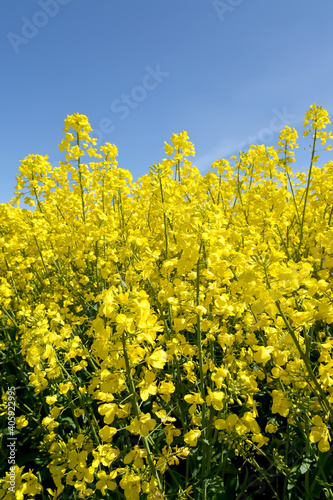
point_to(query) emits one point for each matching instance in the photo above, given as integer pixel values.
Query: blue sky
(229, 72)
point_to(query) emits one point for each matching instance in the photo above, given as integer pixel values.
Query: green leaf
(244, 485)
(305, 465)
(231, 485)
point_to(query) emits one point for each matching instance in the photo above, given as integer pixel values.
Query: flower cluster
(171, 329)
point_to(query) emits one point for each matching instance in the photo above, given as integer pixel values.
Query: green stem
(306, 362)
(164, 221)
(205, 450)
(306, 193)
(199, 337)
(137, 414)
(307, 454)
(283, 242)
(8, 315)
(289, 180)
(38, 202)
(329, 220)
(80, 180)
(41, 256)
(92, 427)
